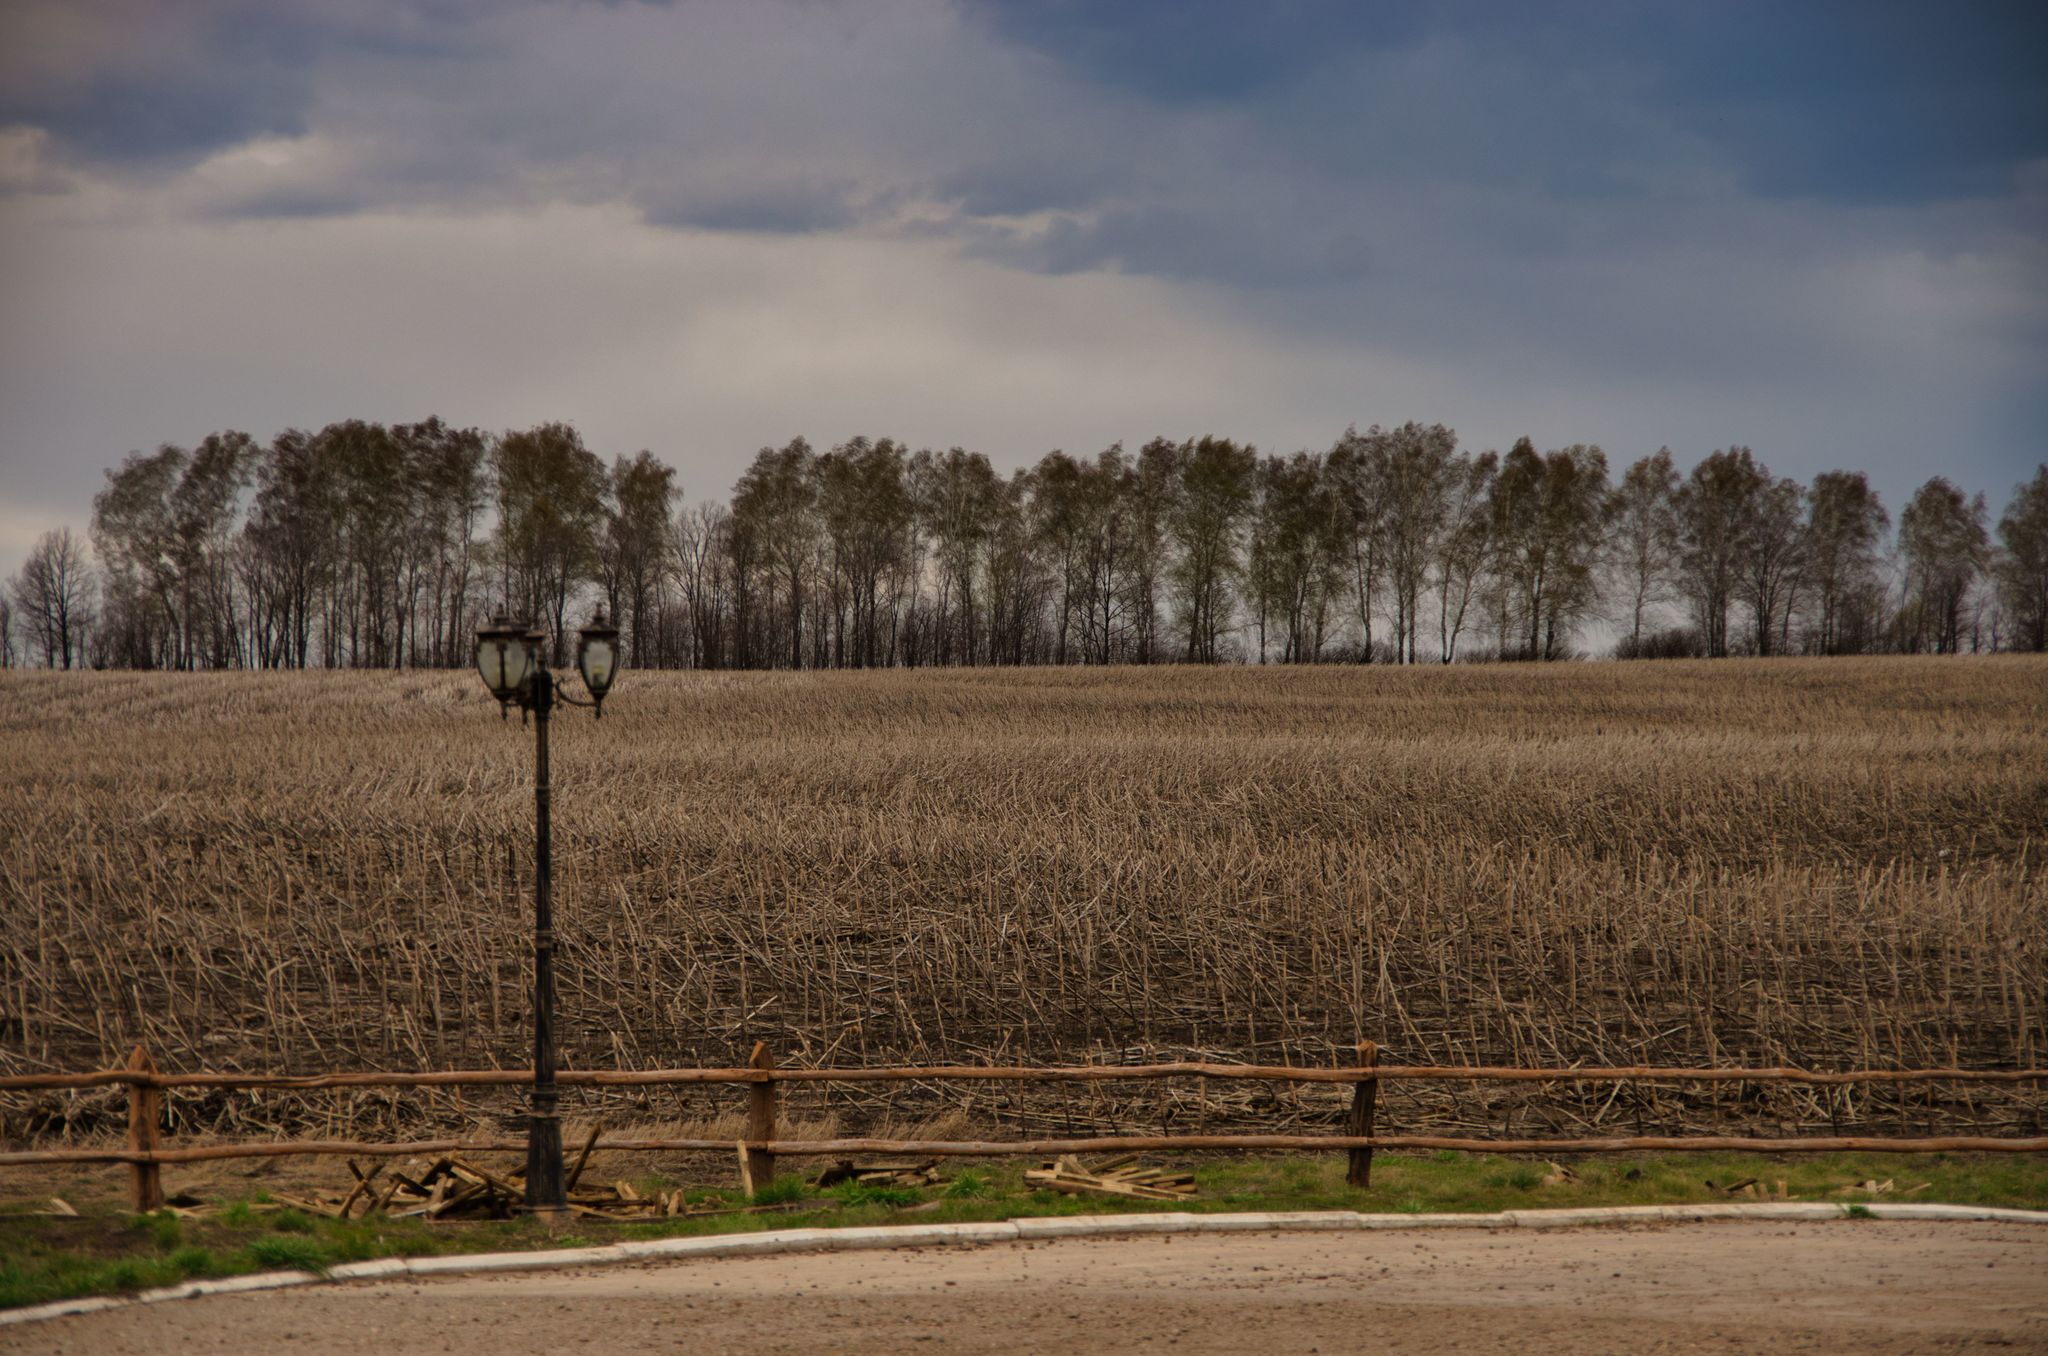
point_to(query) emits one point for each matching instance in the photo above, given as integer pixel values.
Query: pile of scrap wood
(1870, 1186)
(455, 1188)
(1752, 1188)
(1117, 1177)
(446, 1188)
(925, 1173)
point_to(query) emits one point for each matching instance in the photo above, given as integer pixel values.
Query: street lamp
(597, 658)
(512, 660)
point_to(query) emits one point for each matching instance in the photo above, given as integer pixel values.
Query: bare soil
(1868, 1287)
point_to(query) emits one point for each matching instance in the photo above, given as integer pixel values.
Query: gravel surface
(1867, 1287)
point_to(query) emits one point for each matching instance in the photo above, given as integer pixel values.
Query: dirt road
(1862, 1287)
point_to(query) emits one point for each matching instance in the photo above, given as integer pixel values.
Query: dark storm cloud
(1862, 100)
(1253, 146)
(1817, 228)
(1871, 101)
(1196, 52)
(161, 115)
(142, 84)
(778, 209)
(1874, 101)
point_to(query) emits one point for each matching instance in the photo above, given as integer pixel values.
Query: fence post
(1364, 1097)
(145, 1112)
(757, 1166)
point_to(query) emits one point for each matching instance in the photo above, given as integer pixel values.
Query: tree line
(383, 546)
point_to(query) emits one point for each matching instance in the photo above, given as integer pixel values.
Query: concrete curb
(1060, 1226)
(1910, 1210)
(1678, 1214)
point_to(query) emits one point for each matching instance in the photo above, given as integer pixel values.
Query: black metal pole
(545, 1189)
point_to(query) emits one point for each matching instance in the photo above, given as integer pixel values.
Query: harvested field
(1826, 863)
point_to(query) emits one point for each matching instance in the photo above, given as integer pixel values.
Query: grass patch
(192, 1262)
(109, 1251)
(866, 1193)
(781, 1191)
(969, 1186)
(291, 1253)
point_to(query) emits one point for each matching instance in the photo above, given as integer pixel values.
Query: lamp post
(512, 660)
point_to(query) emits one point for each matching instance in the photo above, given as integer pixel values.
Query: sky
(1816, 229)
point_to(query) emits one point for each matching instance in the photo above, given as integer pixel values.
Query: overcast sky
(1817, 229)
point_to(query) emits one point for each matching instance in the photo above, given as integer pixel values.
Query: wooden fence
(146, 1154)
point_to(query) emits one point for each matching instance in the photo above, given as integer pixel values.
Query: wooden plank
(310, 1206)
(384, 1202)
(464, 1196)
(496, 1182)
(582, 1157)
(1075, 1186)
(1067, 1175)
(431, 1204)
(746, 1169)
(362, 1186)
(757, 1164)
(1035, 1147)
(1018, 1074)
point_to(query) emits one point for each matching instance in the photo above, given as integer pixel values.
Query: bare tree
(702, 553)
(633, 548)
(865, 508)
(367, 608)
(207, 507)
(1154, 490)
(293, 535)
(1466, 547)
(1019, 584)
(165, 525)
(1061, 526)
(1549, 514)
(450, 491)
(2023, 560)
(1357, 470)
(1941, 534)
(54, 595)
(774, 511)
(1774, 553)
(1297, 556)
(1845, 523)
(133, 530)
(1108, 557)
(1644, 513)
(1205, 526)
(1714, 507)
(361, 545)
(550, 501)
(955, 496)
(1417, 485)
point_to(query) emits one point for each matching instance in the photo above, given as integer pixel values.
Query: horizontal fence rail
(1073, 1073)
(145, 1087)
(940, 1148)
